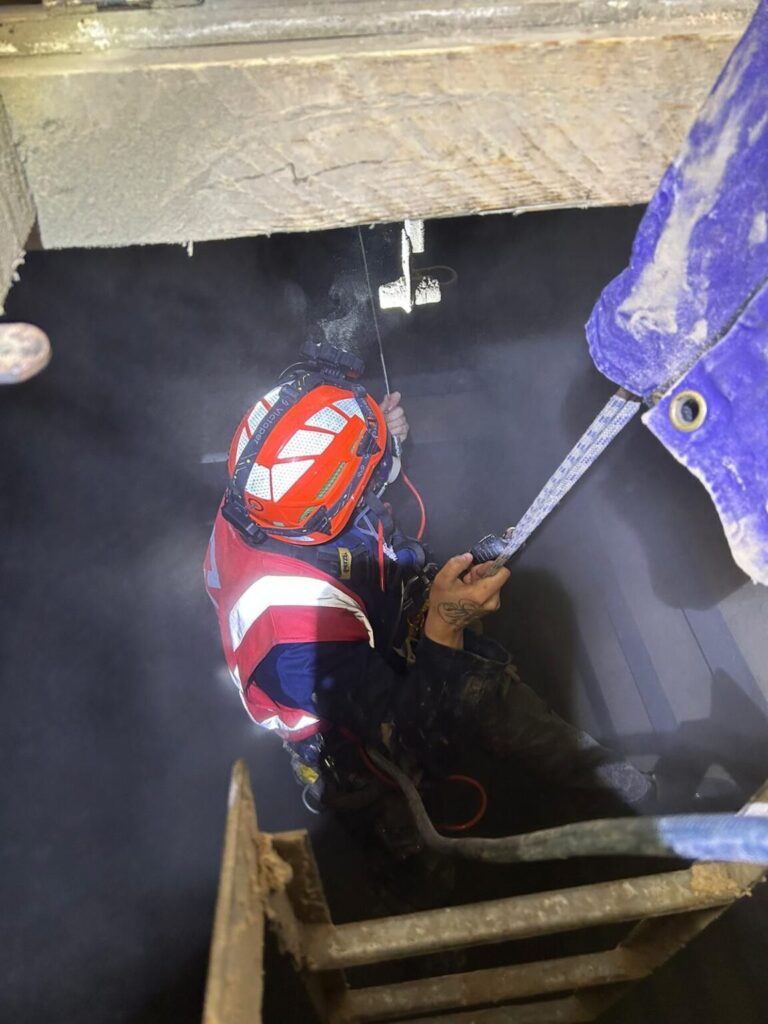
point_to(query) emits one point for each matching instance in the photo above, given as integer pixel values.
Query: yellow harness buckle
(345, 564)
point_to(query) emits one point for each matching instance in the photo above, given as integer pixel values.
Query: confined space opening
(625, 612)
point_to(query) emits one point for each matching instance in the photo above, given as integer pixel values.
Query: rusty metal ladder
(272, 879)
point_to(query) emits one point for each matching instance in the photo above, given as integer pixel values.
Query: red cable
(479, 814)
(422, 508)
(464, 826)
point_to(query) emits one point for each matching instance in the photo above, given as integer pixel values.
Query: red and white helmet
(300, 461)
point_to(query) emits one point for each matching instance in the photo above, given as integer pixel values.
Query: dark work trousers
(476, 697)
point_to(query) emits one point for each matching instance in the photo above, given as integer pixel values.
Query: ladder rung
(570, 1010)
(330, 947)
(494, 985)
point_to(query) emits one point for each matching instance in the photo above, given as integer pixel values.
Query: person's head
(301, 459)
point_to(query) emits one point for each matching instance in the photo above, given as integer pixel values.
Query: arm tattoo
(458, 613)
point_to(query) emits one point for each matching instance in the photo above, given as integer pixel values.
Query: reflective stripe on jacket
(263, 600)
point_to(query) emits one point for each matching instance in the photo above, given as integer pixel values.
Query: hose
(463, 826)
(727, 837)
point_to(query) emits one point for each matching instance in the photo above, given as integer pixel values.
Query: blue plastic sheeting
(693, 286)
(729, 451)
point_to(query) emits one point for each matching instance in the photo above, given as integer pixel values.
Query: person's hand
(455, 602)
(394, 415)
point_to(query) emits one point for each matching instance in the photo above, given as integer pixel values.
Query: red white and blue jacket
(298, 641)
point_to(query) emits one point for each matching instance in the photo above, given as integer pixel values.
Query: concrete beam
(234, 119)
(17, 212)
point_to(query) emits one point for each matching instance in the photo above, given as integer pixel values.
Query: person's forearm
(441, 632)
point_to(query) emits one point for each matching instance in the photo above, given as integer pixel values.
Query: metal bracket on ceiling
(414, 288)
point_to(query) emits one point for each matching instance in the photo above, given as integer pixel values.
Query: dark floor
(119, 723)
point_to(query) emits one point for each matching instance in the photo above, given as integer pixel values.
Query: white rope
(373, 310)
(397, 444)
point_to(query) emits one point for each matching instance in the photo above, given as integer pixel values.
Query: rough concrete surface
(150, 126)
(17, 212)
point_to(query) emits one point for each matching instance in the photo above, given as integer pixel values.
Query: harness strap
(615, 415)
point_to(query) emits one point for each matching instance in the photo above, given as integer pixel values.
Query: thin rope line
(373, 310)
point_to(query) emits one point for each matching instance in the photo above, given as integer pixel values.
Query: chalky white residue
(756, 130)
(759, 230)
(747, 540)
(653, 302)
(699, 331)
(733, 469)
(95, 32)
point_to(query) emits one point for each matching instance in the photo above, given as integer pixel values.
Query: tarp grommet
(688, 410)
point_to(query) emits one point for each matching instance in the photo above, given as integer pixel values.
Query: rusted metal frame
(571, 1010)
(495, 985)
(285, 924)
(656, 940)
(263, 878)
(305, 887)
(698, 888)
(306, 898)
(277, 877)
(651, 943)
(268, 872)
(235, 971)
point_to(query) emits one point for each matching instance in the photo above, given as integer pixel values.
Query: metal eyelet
(687, 411)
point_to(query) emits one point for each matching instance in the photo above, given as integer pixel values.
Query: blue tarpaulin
(690, 312)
